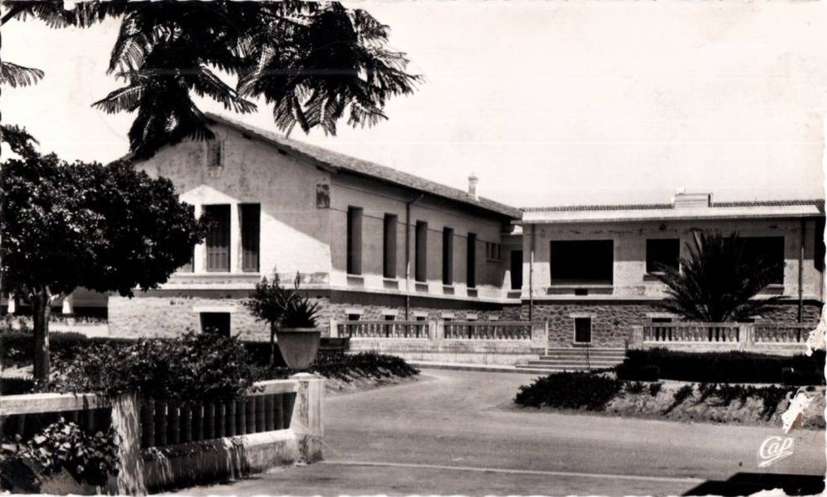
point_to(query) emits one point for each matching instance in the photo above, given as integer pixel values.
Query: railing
(170, 423)
(290, 410)
(692, 332)
(383, 329)
(744, 335)
(781, 332)
(487, 330)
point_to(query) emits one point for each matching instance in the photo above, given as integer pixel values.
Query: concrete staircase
(575, 359)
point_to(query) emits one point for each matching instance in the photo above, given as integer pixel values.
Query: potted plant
(298, 336)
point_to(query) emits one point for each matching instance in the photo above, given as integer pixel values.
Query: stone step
(571, 365)
(550, 370)
(558, 357)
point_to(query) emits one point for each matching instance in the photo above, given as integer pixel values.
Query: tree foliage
(68, 225)
(315, 63)
(718, 280)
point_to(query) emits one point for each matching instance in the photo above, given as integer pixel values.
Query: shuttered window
(389, 246)
(250, 237)
(421, 259)
(471, 261)
(447, 256)
(218, 237)
(354, 240)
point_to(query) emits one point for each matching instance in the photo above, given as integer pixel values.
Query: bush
(569, 391)
(655, 388)
(368, 364)
(88, 458)
(191, 367)
(722, 367)
(681, 395)
(634, 387)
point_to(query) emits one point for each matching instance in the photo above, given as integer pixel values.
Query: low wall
(164, 466)
(764, 338)
(435, 347)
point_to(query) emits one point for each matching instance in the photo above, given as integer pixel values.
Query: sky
(547, 102)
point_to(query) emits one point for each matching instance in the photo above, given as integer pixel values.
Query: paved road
(456, 432)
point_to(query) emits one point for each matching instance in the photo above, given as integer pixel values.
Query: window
(353, 316)
(448, 256)
(662, 253)
(421, 269)
(582, 261)
(389, 246)
(218, 237)
(250, 230)
(582, 329)
(215, 323)
(769, 249)
(818, 247)
(215, 153)
(493, 252)
(471, 261)
(660, 320)
(354, 240)
(516, 269)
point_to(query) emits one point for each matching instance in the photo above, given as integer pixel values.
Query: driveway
(457, 432)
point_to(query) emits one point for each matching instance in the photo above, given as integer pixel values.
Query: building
(367, 241)
(588, 269)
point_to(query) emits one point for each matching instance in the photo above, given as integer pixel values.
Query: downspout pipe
(531, 275)
(408, 205)
(801, 270)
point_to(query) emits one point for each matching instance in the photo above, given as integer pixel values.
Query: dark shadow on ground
(749, 483)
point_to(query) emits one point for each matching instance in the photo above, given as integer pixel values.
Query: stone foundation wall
(172, 313)
(612, 321)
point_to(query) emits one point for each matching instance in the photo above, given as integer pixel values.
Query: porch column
(200, 252)
(235, 238)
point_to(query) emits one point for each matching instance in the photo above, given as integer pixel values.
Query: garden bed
(669, 400)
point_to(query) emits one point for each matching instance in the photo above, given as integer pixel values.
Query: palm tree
(718, 280)
(315, 63)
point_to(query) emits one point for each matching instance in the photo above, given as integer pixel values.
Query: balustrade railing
(781, 333)
(487, 330)
(745, 333)
(383, 329)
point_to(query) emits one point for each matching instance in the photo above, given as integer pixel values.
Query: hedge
(569, 391)
(722, 367)
(16, 346)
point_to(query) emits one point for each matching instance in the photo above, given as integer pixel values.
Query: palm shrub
(280, 306)
(717, 281)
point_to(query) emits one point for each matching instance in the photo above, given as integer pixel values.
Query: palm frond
(16, 75)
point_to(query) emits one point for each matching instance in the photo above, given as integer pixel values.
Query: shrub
(191, 367)
(634, 387)
(722, 367)
(364, 363)
(770, 396)
(569, 390)
(88, 458)
(655, 388)
(681, 395)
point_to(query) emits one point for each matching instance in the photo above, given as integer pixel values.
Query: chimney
(472, 185)
(682, 199)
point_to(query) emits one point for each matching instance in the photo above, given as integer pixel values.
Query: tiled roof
(650, 212)
(349, 164)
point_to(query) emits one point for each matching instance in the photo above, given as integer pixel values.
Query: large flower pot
(298, 346)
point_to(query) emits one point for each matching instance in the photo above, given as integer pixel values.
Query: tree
(69, 225)
(718, 280)
(316, 63)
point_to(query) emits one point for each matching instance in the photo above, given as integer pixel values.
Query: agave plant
(718, 280)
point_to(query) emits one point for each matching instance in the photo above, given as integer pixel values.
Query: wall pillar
(12, 305)
(68, 306)
(334, 329)
(306, 422)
